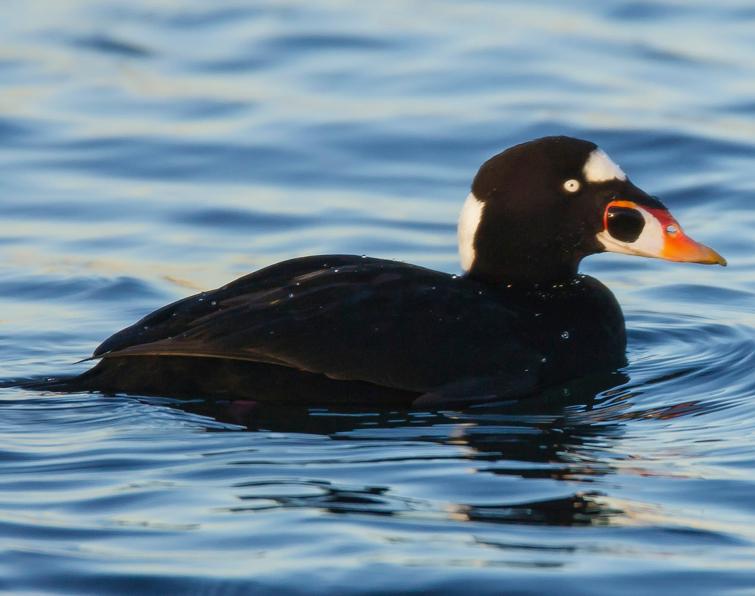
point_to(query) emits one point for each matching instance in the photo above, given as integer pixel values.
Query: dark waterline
(152, 149)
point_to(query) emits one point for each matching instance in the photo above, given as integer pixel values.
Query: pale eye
(572, 185)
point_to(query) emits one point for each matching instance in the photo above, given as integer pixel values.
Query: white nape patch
(601, 168)
(469, 220)
(648, 244)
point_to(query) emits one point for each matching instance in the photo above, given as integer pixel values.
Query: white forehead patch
(600, 168)
(469, 220)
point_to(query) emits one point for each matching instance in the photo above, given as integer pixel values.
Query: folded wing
(346, 317)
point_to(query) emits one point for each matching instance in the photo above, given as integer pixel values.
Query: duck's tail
(65, 384)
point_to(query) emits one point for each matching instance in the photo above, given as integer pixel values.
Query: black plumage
(372, 322)
(356, 330)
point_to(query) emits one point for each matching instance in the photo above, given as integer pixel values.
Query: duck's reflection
(550, 437)
(578, 509)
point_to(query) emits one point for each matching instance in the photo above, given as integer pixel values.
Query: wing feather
(342, 316)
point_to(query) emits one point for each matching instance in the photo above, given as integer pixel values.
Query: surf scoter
(355, 330)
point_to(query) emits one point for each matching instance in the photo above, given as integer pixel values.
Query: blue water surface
(152, 148)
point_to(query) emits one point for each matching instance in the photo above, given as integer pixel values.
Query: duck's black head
(538, 208)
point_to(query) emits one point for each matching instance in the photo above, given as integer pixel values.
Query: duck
(354, 330)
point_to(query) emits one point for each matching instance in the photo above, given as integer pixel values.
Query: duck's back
(346, 317)
(375, 322)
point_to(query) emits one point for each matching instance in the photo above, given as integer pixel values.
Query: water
(149, 149)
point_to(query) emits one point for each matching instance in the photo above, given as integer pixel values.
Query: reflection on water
(151, 149)
(550, 437)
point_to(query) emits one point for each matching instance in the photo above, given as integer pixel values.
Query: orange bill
(633, 228)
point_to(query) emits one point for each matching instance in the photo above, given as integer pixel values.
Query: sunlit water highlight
(150, 149)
